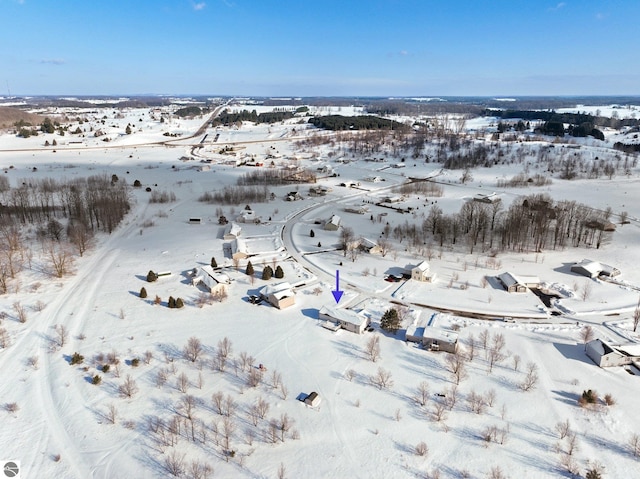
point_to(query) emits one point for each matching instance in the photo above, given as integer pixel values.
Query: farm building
(344, 318)
(232, 231)
(433, 338)
(313, 399)
(358, 209)
(593, 269)
(422, 272)
(333, 223)
(280, 295)
(518, 284)
(605, 354)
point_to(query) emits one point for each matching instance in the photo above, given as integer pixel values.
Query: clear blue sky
(321, 47)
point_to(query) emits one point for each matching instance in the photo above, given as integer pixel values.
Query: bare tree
(60, 259)
(490, 397)
(4, 338)
(484, 338)
(187, 405)
(422, 393)
(634, 444)
(21, 311)
(496, 353)
(282, 471)
(161, 377)
(285, 423)
(516, 362)
(422, 449)
(472, 343)
(636, 317)
(112, 413)
(174, 463)
(373, 348)
(586, 334)
(129, 388)
(284, 392)
(586, 290)
(456, 366)
(228, 428)
(193, 349)
(350, 374)
(217, 399)
(531, 379)
(254, 377)
(182, 382)
(61, 334)
(563, 429)
(476, 402)
(382, 379)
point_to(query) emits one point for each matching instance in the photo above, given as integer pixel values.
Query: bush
(213, 262)
(608, 400)
(105, 368)
(249, 271)
(151, 277)
(179, 303)
(157, 300)
(267, 273)
(279, 273)
(135, 362)
(137, 184)
(77, 358)
(172, 302)
(143, 292)
(97, 379)
(588, 397)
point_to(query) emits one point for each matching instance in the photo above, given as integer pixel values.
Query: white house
(422, 272)
(345, 318)
(605, 354)
(280, 295)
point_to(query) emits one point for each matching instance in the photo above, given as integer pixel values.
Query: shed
(518, 284)
(593, 269)
(313, 399)
(345, 318)
(333, 223)
(280, 295)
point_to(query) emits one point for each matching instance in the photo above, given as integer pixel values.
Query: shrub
(77, 358)
(97, 379)
(151, 277)
(213, 262)
(608, 400)
(105, 368)
(172, 302)
(135, 362)
(249, 271)
(137, 183)
(179, 303)
(588, 397)
(279, 273)
(312, 234)
(143, 293)
(267, 273)
(157, 300)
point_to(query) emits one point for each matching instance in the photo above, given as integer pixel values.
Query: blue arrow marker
(337, 294)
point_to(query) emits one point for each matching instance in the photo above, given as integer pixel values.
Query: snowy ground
(62, 428)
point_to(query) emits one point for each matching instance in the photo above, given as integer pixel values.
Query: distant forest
(572, 118)
(226, 118)
(365, 122)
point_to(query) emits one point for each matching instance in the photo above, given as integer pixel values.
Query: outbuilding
(344, 318)
(313, 399)
(605, 354)
(280, 295)
(333, 223)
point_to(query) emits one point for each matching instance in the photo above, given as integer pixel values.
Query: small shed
(313, 399)
(422, 272)
(345, 318)
(280, 295)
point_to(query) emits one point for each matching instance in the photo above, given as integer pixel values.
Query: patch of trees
(228, 118)
(188, 111)
(274, 177)
(365, 122)
(536, 223)
(585, 129)
(572, 118)
(93, 203)
(626, 147)
(233, 195)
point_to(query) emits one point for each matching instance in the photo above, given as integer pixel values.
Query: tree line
(228, 118)
(535, 223)
(364, 122)
(97, 202)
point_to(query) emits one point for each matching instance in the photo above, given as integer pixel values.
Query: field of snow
(58, 424)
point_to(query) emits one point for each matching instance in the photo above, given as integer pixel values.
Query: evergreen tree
(249, 271)
(179, 303)
(172, 302)
(312, 233)
(151, 277)
(279, 273)
(213, 262)
(267, 273)
(54, 143)
(128, 130)
(143, 293)
(319, 244)
(390, 320)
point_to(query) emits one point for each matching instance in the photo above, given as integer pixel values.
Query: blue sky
(320, 48)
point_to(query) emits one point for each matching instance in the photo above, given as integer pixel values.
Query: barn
(518, 284)
(605, 354)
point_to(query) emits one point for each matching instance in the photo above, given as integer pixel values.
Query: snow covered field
(58, 424)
